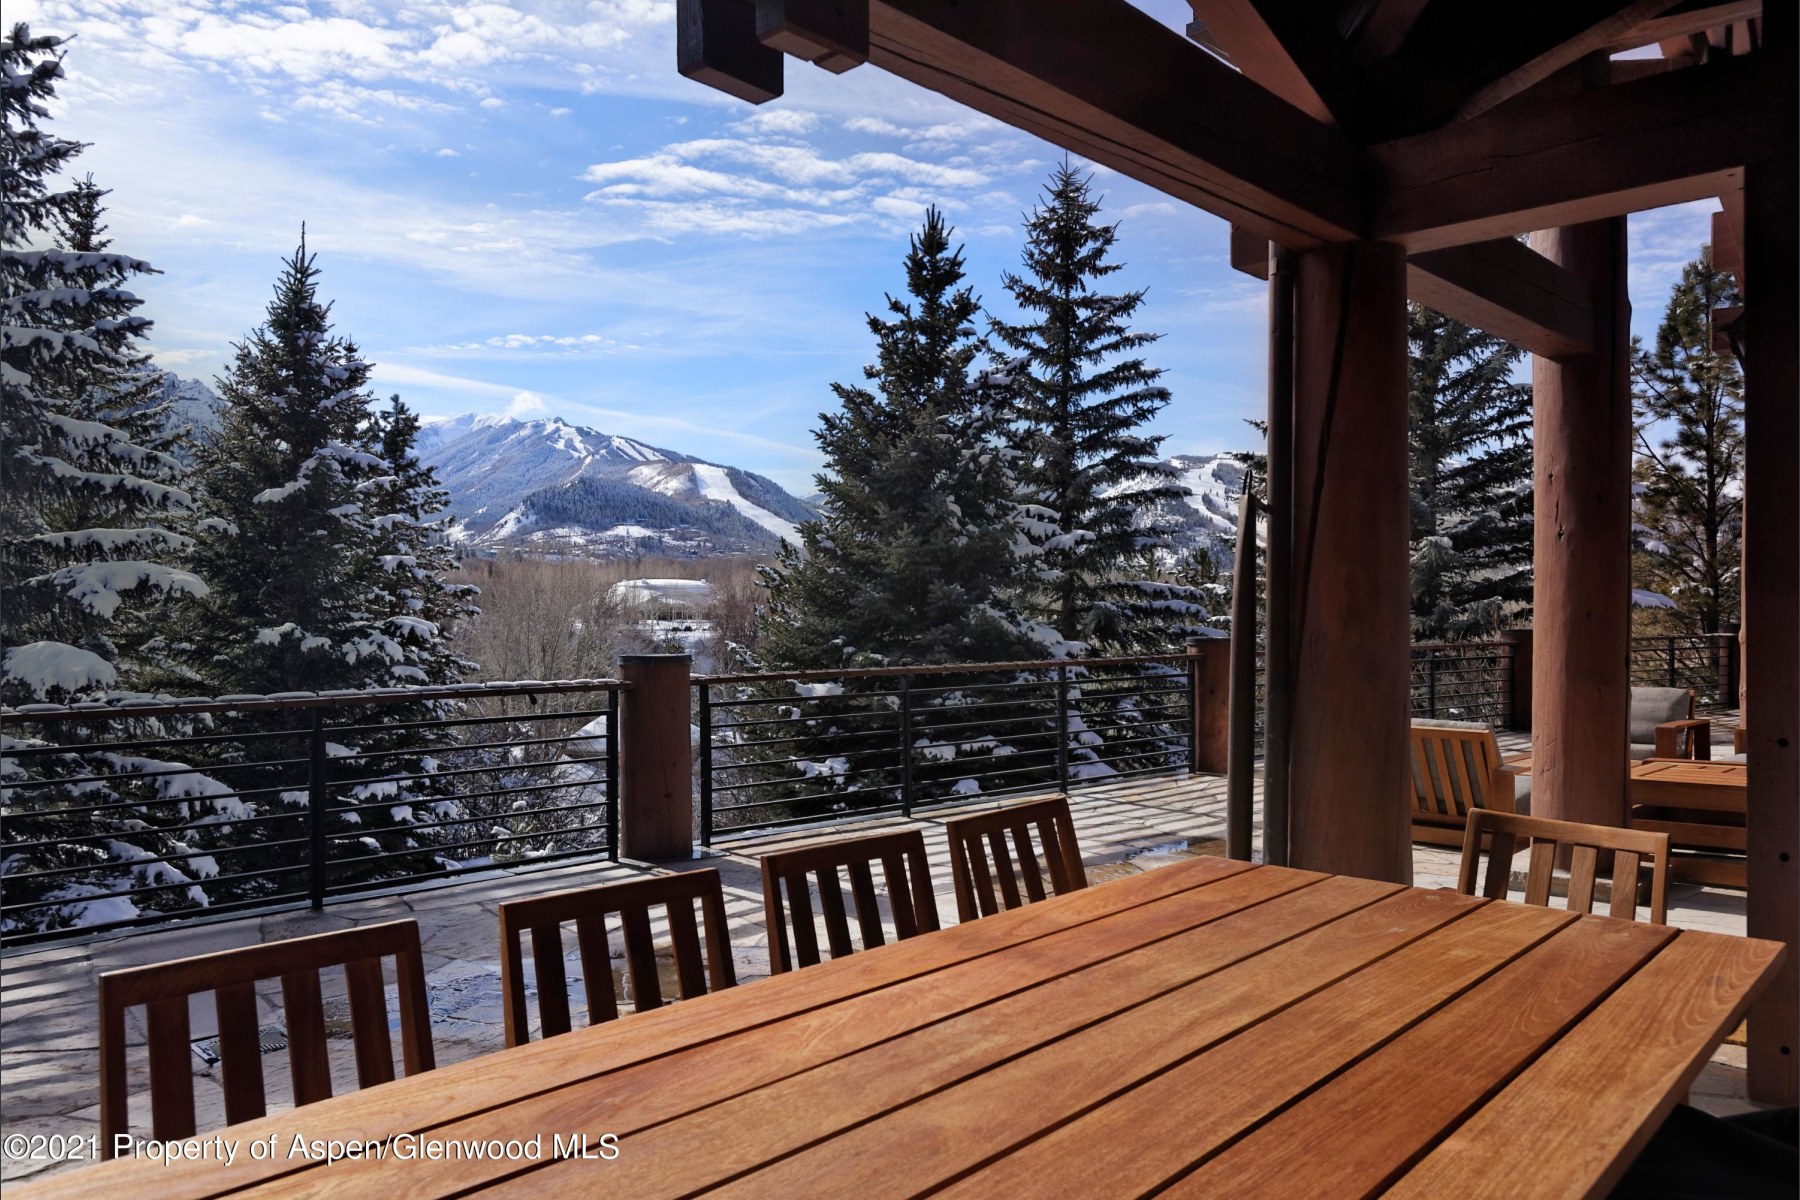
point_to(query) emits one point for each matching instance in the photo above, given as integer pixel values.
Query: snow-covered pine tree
(316, 536)
(1086, 470)
(913, 545)
(90, 496)
(1690, 418)
(88, 531)
(1470, 451)
(914, 541)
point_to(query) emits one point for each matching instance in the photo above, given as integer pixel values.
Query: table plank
(949, 1132)
(686, 1155)
(644, 1095)
(458, 1090)
(1139, 1140)
(1593, 1100)
(1366, 1125)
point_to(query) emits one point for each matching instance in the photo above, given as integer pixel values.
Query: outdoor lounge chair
(543, 916)
(911, 900)
(1456, 769)
(1545, 837)
(164, 990)
(975, 838)
(1663, 725)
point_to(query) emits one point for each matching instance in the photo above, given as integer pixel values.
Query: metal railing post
(1062, 727)
(1671, 653)
(706, 765)
(906, 746)
(318, 868)
(612, 773)
(1431, 683)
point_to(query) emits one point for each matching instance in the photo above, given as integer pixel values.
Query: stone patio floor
(49, 1063)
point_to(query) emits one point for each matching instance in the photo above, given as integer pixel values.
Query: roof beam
(1502, 287)
(1539, 163)
(1384, 28)
(1683, 21)
(1585, 37)
(1176, 119)
(1290, 49)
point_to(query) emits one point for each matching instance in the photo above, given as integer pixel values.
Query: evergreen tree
(90, 496)
(319, 531)
(1470, 475)
(1086, 473)
(914, 540)
(1690, 433)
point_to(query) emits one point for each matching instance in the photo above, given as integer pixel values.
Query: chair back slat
(171, 1069)
(1454, 768)
(240, 1052)
(552, 978)
(1584, 842)
(684, 941)
(632, 903)
(164, 990)
(596, 971)
(868, 908)
(787, 902)
(831, 907)
(369, 1022)
(981, 839)
(309, 1066)
(1583, 868)
(640, 957)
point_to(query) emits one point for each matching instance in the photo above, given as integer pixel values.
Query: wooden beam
(1351, 615)
(1683, 21)
(833, 34)
(1592, 26)
(1104, 80)
(1506, 288)
(1503, 287)
(1291, 50)
(1728, 238)
(1581, 546)
(1564, 160)
(715, 44)
(1384, 29)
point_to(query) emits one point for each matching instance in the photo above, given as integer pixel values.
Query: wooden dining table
(1209, 1028)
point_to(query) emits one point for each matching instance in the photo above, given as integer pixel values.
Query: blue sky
(521, 207)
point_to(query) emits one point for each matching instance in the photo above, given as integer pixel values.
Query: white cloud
(447, 152)
(559, 112)
(525, 404)
(493, 102)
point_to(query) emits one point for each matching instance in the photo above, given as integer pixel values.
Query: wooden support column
(1581, 552)
(1210, 660)
(1351, 589)
(656, 758)
(1772, 605)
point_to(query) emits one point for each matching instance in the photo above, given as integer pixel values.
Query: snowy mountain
(564, 487)
(1207, 517)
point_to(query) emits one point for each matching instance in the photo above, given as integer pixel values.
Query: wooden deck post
(1772, 595)
(1350, 582)
(1211, 664)
(1519, 685)
(1581, 551)
(656, 758)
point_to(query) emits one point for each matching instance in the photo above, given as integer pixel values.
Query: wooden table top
(1699, 771)
(1211, 1027)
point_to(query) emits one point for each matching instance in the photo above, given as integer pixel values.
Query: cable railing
(791, 748)
(1707, 664)
(128, 815)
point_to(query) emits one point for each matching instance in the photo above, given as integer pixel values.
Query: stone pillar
(1581, 552)
(656, 758)
(1350, 581)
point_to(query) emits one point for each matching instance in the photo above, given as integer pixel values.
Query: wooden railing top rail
(283, 700)
(936, 669)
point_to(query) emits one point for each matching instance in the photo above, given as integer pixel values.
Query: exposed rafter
(1685, 135)
(1382, 27)
(1178, 119)
(1503, 287)
(1684, 21)
(1291, 49)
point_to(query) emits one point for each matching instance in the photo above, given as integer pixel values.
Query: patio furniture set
(1212, 1021)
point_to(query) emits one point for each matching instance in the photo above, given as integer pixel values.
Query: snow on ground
(686, 594)
(715, 484)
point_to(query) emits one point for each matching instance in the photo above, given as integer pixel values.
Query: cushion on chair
(1639, 751)
(1651, 706)
(1522, 795)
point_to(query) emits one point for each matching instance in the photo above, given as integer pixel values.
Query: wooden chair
(1629, 847)
(1663, 725)
(1455, 769)
(910, 898)
(588, 908)
(973, 838)
(232, 975)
